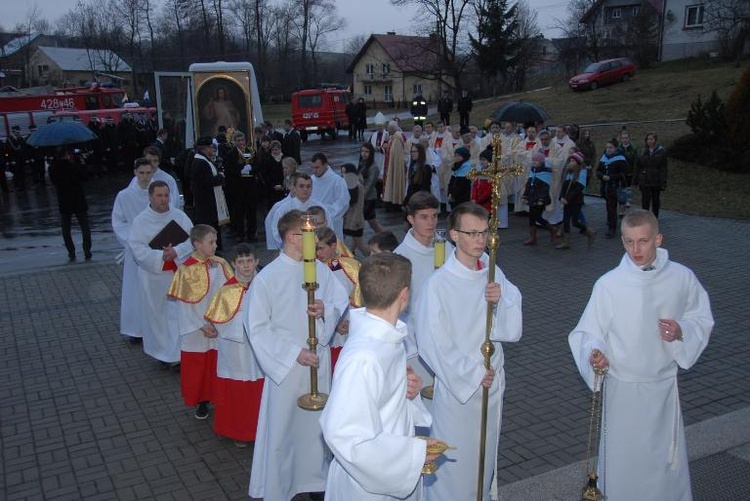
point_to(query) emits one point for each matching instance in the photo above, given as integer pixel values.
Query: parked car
(603, 73)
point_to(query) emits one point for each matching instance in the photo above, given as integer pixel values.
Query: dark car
(603, 73)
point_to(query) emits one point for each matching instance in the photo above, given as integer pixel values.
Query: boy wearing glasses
(450, 328)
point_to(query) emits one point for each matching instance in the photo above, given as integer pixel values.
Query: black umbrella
(520, 112)
(61, 133)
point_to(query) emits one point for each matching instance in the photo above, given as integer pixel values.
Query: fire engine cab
(35, 106)
(320, 111)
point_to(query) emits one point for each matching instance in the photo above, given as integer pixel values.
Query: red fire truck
(26, 107)
(320, 111)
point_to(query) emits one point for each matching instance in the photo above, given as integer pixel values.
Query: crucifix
(494, 174)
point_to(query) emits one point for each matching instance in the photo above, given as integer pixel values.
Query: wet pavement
(30, 235)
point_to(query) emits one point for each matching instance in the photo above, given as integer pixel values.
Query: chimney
(391, 33)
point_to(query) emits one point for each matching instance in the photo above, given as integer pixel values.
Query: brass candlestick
(494, 174)
(313, 401)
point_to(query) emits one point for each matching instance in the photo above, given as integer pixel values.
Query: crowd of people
(385, 320)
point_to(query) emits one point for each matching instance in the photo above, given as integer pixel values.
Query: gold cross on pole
(494, 175)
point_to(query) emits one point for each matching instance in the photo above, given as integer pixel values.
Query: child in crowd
(385, 241)
(346, 271)
(536, 195)
(192, 287)
(239, 383)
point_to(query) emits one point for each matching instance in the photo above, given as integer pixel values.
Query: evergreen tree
(496, 46)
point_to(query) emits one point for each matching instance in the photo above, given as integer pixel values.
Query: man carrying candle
(422, 215)
(289, 453)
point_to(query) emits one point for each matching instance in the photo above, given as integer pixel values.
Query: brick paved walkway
(85, 415)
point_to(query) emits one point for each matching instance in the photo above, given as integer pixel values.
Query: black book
(172, 234)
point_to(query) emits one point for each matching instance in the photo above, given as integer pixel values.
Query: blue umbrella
(61, 133)
(521, 112)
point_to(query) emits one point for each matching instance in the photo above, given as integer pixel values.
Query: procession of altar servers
(291, 455)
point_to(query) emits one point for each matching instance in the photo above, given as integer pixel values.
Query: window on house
(616, 13)
(368, 90)
(693, 16)
(417, 89)
(42, 69)
(370, 69)
(386, 68)
(544, 50)
(636, 10)
(388, 91)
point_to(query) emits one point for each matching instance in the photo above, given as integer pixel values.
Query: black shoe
(71, 258)
(135, 340)
(88, 256)
(201, 412)
(317, 496)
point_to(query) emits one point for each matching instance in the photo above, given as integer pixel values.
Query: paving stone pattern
(86, 415)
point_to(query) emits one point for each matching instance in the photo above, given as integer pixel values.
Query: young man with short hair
(156, 269)
(128, 204)
(289, 456)
(418, 247)
(646, 319)
(450, 327)
(374, 405)
(300, 198)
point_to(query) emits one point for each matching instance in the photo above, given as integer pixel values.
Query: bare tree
(322, 23)
(171, 24)
(129, 21)
(448, 20)
(589, 32)
(355, 43)
(147, 13)
(527, 35)
(730, 20)
(32, 24)
(219, 17)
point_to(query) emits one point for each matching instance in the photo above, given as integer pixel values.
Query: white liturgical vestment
(161, 339)
(422, 267)
(450, 327)
(331, 189)
(283, 206)
(128, 204)
(643, 452)
(289, 455)
(368, 422)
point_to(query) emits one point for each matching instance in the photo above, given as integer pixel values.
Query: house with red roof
(391, 69)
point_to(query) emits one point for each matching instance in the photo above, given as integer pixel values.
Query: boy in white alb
(289, 455)
(368, 422)
(192, 287)
(239, 382)
(417, 246)
(645, 319)
(128, 204)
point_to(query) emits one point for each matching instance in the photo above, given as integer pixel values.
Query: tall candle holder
(313, 401)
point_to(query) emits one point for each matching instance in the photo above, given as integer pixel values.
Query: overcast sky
(362, 16)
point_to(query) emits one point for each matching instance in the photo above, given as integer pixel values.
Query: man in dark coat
(291, 143)
(205, 176)
(465, 104)
(445, 107)
(67, 174)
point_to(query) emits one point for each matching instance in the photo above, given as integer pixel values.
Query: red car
(603, 73)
